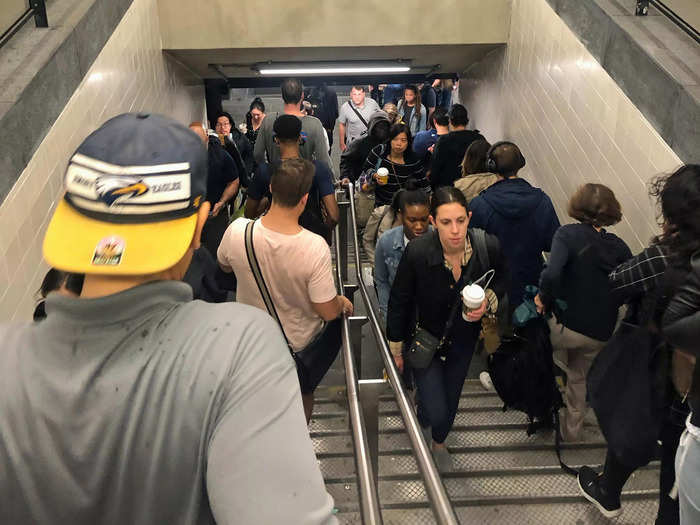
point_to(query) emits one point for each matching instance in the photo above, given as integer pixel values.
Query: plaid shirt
(641, 274)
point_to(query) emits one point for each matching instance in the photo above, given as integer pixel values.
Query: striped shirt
(399, 174)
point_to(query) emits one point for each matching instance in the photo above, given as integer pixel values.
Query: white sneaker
(486, 382)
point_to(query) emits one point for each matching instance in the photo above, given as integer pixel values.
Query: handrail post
(39, 8)
(370, 389)
(342, 238)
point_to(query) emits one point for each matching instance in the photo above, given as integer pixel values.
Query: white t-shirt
(296, 268)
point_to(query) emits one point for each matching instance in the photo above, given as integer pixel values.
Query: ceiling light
(330, 69)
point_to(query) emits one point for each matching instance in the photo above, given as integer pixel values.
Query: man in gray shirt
(353, 121)
(314, 140)
(133, 403)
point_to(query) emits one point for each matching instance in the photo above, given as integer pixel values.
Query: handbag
(324, 346)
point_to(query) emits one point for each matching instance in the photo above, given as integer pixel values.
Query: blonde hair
(393, 112)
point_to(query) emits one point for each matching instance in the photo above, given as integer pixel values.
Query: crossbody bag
(313, 361)
(362, 119)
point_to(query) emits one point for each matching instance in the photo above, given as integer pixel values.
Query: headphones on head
(493, 166)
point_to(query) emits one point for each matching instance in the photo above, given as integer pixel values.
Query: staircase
(501, 475)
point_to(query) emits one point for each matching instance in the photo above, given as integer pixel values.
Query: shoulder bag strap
(453, 312)
(362, 119)
(260, 281)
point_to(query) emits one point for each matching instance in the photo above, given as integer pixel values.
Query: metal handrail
(441, 505)
(37, 9)
(367, 488)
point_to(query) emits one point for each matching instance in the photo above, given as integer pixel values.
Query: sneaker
(589, 484)
(443, 460)
(486, 382)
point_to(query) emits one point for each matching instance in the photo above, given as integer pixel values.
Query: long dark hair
(256, 104)
(396, 130)
(417, 110)
(678, 196)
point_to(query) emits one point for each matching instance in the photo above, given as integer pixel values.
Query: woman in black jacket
(646, 283)
(580, 260)
(433, 270)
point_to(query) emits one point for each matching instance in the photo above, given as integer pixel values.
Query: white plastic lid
(383, 171)
(473, 294)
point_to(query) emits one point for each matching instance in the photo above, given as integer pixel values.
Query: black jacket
(577, 272)
(353, 158)
(448, 156)
(681, 326)
(241, 152)
(423, 283)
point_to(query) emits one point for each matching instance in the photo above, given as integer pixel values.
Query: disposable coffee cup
(473, 297)
(382, 176)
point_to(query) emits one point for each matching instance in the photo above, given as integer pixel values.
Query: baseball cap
(287, 127)
(132, 191)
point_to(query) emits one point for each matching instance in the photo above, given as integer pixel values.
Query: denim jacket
(388, 253)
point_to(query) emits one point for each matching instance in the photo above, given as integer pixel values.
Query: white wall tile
(130, 73)
(573, 122)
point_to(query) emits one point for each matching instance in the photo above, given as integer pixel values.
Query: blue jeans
(688, 473)
(440, 386)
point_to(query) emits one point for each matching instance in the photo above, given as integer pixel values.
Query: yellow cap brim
(72, 239)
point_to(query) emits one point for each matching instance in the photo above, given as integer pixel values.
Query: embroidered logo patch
(109, 251)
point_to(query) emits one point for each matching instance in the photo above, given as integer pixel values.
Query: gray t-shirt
(354, 128)
(147, 407)
(314, 138)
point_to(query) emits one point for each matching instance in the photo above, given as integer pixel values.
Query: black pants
(329, 132)
(214, 230)
(439, 387)
(616, 474)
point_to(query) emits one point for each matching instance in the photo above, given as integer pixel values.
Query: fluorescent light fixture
(331, 69)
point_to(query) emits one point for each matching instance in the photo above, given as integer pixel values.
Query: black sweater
(448, 156)
(577, 272)
(423, 282)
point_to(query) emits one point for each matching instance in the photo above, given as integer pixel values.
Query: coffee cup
(473, 297)
(382, 176)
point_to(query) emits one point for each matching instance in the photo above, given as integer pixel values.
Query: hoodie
(353, 158)
(577, 273)
(524, 220)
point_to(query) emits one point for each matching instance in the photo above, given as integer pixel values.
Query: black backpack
(522, 372)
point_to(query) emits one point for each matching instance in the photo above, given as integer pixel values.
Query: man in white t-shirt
(296, 266)
(353, 121)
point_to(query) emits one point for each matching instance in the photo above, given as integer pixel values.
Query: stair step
(635, 511)
(475, 402)
(332, 446)
(329, 424)
(507, 461)
(487, 441)
(528, 488)
(389, 421)
(338, 469)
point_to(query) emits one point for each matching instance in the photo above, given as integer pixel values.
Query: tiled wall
(548, 94)
(130, 74)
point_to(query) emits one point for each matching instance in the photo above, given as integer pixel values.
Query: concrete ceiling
(237, 62)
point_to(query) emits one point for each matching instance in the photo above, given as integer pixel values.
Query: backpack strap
(481, 247)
